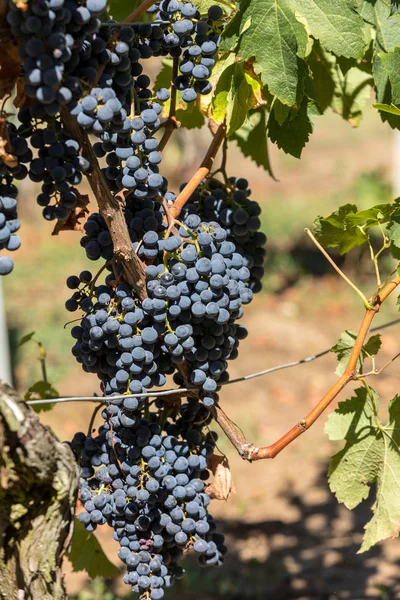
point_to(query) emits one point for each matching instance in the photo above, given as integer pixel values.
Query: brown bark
(38, 482)
(111, 209)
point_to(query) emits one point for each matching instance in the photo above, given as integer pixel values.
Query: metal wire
(183, 391)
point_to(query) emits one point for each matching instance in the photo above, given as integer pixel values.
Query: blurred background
(286, 534)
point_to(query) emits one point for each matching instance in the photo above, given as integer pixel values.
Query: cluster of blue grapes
(185, 29)
(132, 156)
(145, 477)
(230, 205)
(11, 167)
(196, 286)
(54, 33)
(58, 165)
(141, 215)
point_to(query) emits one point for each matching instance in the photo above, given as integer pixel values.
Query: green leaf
(346, 93)
(203, 5)
(394, 7)
(270, 32)
(164, 76)
(391, 64)
(26, 338)
(220, 98)
(342, 228)
(190, 117)
(86, 554)
(322, 77)
(252, 140)
(281, 112)
(394, 228)
(344, 347)
(371, 455)
(378, 14)
(41, 390)
(384, 92)
(231, 34)
(234, 95)
(392, 109)
(120, 9)
(338, 27)
(294, 133)
(238, 99)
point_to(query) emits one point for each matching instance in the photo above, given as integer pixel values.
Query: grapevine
(173, 269)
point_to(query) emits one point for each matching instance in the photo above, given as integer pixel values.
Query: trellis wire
(182, 391)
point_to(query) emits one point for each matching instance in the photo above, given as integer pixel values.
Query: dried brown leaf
(10, 61)
(222, 486)
(79, 212)
(21, 99)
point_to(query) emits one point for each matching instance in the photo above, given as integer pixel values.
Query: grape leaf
(26, 338)
(190, 116)
(371, 455)
(322, 79)
(203, 5)
(86, 554)
(394, 7)
(281, 112)
(294, 132)
(384, 93)
(344, 347)
(272, 35)
(387, 27)
(41, 390)
(392, 109)
(394, 228)
(391, 64)
(252, 140)
(346, 93)
(342, 227)
(120, 9)
(335, 24)
(236, 92)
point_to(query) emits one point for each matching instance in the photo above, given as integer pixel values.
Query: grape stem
(171, 123)
(334, 265)
(110, 209)
(250, 452)
(201, 172)
(140, 10)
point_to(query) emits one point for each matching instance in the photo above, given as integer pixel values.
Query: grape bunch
(59, 166)
(198, 37)
(146, 480)
(145, 472)
(230, 205)
(54, 33)
(141, 215)
(12, 168)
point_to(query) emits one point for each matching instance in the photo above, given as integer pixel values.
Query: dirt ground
(287, 536)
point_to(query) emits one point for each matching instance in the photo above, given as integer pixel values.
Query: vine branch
(201, 172)
(140, 10)
(250, 452)
(110, 209)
